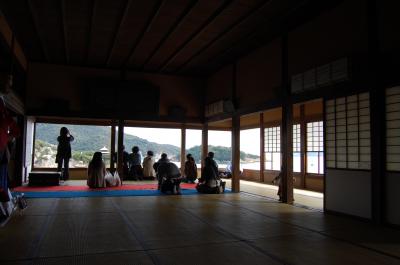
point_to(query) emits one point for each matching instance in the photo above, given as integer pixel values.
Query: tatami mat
(216, 254)
(78, 234)
(314, 249)
(205, 229)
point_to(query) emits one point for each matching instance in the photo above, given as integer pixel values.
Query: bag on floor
(21, 201)
(112, 180)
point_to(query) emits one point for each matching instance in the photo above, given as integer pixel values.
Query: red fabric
(8, 127)
(86, 188)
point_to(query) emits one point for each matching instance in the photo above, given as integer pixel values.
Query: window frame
(64, 122)
(273, 147)
(348, 147)
(296, 130)
(316, 146)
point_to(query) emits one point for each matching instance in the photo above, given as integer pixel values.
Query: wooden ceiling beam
(177, 23)
(38, 31)
(124, 14)
(64, 28)
(195, 34)
(91, 26)
(16, 49)
(145, 29)
(229, 29)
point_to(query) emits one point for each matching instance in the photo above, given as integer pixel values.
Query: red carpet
(86, 188)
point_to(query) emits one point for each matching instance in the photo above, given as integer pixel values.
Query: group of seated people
(167, 173)
(137, 168)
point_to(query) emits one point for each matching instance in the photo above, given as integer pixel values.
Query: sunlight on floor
(305, 198)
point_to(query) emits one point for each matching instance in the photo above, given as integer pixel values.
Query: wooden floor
(197, 229)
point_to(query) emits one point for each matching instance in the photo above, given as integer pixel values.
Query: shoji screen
(393, 129)
(348, 132)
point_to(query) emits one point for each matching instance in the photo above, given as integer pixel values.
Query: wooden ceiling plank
(91, 26)
(64, 28)
(229, 29)
(177, 24)
(149, 22)
(252, 34)
(38, 31)
(124, 14)
(195, 34)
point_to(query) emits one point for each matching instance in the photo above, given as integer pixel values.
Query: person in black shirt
(64, 152)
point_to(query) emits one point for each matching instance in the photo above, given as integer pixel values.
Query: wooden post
(236, 153)
(262, 147)
(287, 128)
(377, 112)
(303, 146)
(204, 143)
(112, 151)
(120, 149)
(183, 149)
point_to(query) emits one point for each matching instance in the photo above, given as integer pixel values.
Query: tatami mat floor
(199, 229)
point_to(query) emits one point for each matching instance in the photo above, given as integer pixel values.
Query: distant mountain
(222, 154)
(93, 138)
(89, 139)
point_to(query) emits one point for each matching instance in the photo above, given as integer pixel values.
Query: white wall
(348, 192)
(393, 197)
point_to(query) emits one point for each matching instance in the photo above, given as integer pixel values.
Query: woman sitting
(148, 170)
(135, 164)
(190, 169)
(96, 172)
(210, 181)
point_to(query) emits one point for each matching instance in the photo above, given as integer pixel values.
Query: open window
(88, 139)
(158, 140)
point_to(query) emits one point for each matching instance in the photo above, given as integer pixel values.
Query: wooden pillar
(378, 118)
(24, 150)
(183, 149)
(112, 152)
(120, 148)
(33, 146)
(204, 143)
(262, 147)
(287, 128)
(303, 146)
(236, 153)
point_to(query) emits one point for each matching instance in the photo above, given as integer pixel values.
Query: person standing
(64, 152)
(8, 132)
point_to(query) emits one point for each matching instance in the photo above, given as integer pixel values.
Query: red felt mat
(86, 188)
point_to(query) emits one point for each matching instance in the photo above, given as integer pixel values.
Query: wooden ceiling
(161, 36)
